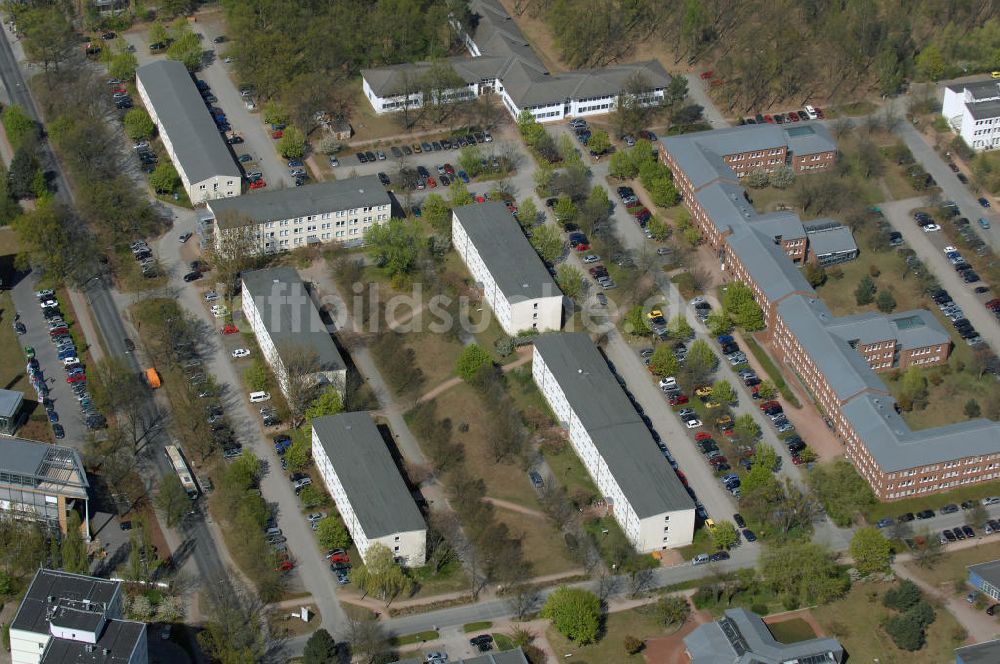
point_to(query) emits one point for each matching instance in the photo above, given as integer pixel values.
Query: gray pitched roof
(911, 329)
(987, 652)
(768, 264)
(988, 571)
(809, 138)
(613, 424)
(846, 371)
(984, 110)
(825, 239)
(741, 637)
(895, 446)
(312, 199)
(510, 258)
(784, 225)
(291, 318)
(392, 79)
(376, 490)
(185, 119)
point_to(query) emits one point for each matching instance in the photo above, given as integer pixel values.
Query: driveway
(698, 93)
(929, 247)
(312, 573)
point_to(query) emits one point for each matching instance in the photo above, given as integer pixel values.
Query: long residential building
(742, 637)
(515, 283)
(43, 482)
(72, 618)
(203, 161)
(836, 358)
(285, 219)
(371, 495)
(289, 329)
(972, 109)
(503, 63)
(644, 493)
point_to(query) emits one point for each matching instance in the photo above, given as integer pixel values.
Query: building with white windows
(203, 161)
(43, 482)
(973, 111)
(371, 495)
(514, 281)
(642, 490)
(289, 329)
(71, 618)
(503, 63)
(285, 219)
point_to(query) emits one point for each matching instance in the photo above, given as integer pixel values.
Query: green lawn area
(952, 565)
(854, 621)
(838, 293)
(418, 637)
(541, 542)
(933, 502)
(772, 371)
(449, 580)
(946, 401)
(468, 628)
(569, 471)
(12, 360)
(502, 641)
(791, 631)
(435, 356)
(634, 622)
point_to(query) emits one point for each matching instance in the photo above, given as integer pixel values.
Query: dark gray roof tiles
(808, 138)
(987, 652)
(518, 271)
(613, 424)
(290, 316)
(768, 264)
(988, 572)
(984, 110)
(312, 199)
(830, 239)
(10, 402)
(376, 490)
(182, 113)
(742, 637)
(784, 225)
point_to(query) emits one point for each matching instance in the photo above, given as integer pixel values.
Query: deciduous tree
(472, 358)
(870, 550)
(575, 613)
(663, 362)
(724, 535)
(332, 534)
(138, 124)
(569, 280)
(172, 499)
(380, 575)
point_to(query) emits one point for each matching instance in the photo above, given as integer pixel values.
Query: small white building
(75, 618)
(371, 494)
(515, 283)
(972, 109)
(284, 219)
(618, 451)
(289, 329)
(203, 161)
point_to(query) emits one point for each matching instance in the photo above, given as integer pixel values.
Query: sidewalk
(979, 626)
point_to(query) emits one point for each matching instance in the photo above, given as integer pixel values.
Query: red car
(678, 400)
(76, 378)
(705, 75)
(284, 566)
(796, 459)
(230, 329)
(258, 184)
(769, 404)
(431, 182)
(729, 431)
(276, 134)
(338, 556)
(819, 112)
(55, 332)
(794, 117)
(768, 118)
(715, 461)
(703, 435)
(682, 477)
(480, 199)
(583, 246)
(993, 304)
(449, 169)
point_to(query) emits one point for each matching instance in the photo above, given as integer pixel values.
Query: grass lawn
(946, 402)
(854, 621)
(281, 624)
(419, 637)
(634, 622)
(569, 471)
(502, 641)
(772, 371)
(435, 356)
(933, 502)
(952, 565)
(791, 631)
(12, 360)
(541, 542)
(468, 628)
(449, 580)
(839, 293)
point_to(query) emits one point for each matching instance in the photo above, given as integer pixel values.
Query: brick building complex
(836, 358)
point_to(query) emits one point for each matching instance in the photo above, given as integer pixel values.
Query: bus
(182, 470)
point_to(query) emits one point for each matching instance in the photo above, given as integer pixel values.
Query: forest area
(764, 52)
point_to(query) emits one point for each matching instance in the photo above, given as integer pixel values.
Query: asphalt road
(930, 248)
(698, 92)
(108, 320)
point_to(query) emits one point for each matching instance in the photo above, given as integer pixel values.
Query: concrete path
(980, 626)
(698, 92)
(514, 507)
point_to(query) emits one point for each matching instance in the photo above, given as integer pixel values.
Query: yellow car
(995, 74)
(703, 391)
(711, 403)
(655, 313)
(710, 524)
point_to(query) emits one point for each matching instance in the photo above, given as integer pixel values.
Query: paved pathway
(514, 507)
(980, 626)
(438, 390)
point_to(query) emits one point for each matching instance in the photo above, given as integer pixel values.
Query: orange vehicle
(152, 378)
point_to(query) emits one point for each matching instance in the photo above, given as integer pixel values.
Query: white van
(257, 397)
(811, 112)
(273, 531)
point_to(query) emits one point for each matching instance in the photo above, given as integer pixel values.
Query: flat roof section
(28, 463)
(379, 496)
(613, 424)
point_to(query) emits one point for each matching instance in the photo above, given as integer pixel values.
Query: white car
(46, 294)
(48, 304)
(241, 352)
(591, 258)
(220, 313)
(949, 249)
(697, 300)
(991, 500)
(315, 517)
(211, 296)
(219, 307)
(692, 424)
(931, 228)
(667, 382)
(70, 361)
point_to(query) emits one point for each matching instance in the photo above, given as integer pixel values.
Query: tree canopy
(575, 613)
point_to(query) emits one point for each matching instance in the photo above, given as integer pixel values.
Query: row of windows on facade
(298, 241)
(753, 155)
(312, 228)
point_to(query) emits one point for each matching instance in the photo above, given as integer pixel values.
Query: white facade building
(371, 494)
(288, 327)
(284, 219)
(514, 280)
(502, 62)
(647, 499)
(189, 134)
(973, 111)
(75, 618)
